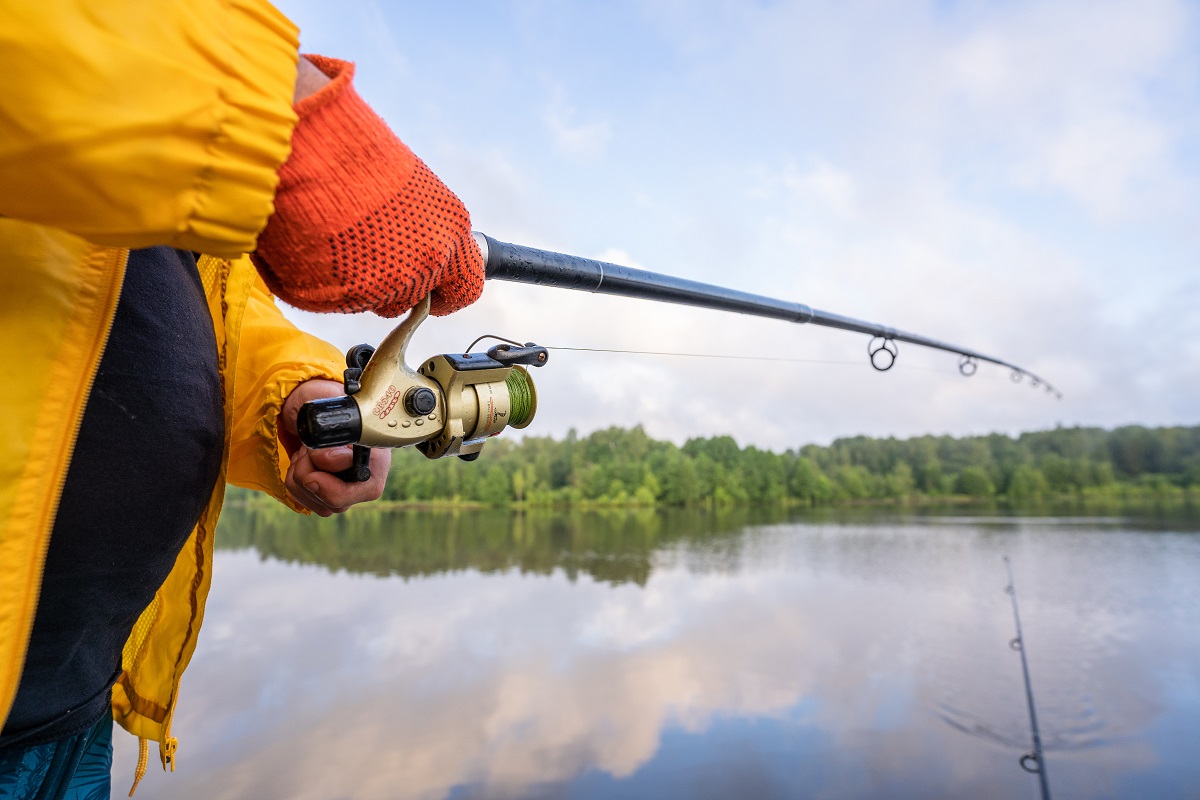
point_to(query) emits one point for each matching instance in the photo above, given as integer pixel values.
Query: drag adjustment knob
(419, 401)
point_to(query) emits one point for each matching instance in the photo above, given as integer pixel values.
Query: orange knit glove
(360, 224)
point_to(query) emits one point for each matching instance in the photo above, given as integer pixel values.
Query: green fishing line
(520, 392)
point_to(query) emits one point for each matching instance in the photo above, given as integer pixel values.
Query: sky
(1019, 178)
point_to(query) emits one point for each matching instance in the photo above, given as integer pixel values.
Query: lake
(652, 654)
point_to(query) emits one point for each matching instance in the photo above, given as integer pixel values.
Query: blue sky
(1020, 178)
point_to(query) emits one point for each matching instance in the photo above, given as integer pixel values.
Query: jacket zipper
(107, 307)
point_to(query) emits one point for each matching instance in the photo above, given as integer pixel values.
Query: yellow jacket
(124, 125)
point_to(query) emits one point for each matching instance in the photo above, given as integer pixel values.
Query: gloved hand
(360, 222)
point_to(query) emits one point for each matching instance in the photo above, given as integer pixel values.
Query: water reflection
(651, 655)
(615, 546)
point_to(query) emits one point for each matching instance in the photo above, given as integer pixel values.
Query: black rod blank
(514, 262)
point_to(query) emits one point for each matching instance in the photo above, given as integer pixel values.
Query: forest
(625, 467)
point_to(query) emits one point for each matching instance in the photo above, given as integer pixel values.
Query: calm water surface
(486, 655)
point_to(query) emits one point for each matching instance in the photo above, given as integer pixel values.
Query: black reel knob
(419, 401)
(329, 422)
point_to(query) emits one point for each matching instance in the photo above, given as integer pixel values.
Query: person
(163, 171)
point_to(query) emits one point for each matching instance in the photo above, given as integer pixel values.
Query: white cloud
(1102, 162)
(1071, 88)
(575, 138)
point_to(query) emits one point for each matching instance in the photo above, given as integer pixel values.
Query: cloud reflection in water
(795, 660)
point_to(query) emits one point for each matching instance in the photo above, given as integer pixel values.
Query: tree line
(626, 467)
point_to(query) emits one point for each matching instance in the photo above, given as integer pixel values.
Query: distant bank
(1088, 467)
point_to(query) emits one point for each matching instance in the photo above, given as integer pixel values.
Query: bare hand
(310, 479)
(309, 80)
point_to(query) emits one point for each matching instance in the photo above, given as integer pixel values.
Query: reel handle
(356, 360)
(333, 421)
(360, 470)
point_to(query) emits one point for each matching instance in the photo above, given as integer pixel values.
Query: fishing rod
(1034, 762)
(513, 262)
(454, 402)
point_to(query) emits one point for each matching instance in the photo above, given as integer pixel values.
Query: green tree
(930, 478)
(975, 482)
(1027, 483)
(852, 483)
(495, 488)
(900, 482)
(679, 484)
(808, 483)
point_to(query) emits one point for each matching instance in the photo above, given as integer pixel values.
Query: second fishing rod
(1035, 761)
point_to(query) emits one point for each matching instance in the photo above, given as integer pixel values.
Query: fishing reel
(450, 406)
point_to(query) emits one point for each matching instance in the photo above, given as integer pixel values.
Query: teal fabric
(76, 768)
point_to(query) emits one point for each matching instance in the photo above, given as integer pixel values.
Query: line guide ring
(883, 344)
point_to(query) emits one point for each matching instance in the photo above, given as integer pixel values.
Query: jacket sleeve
(134, 124)
(274, 356)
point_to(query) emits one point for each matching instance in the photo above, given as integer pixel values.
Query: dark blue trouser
(75, 768)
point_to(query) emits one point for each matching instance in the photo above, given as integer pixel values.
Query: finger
(307, 500)
(336, 493)
(317, 498)
(332, 492)
(306, 492)
(332, 459)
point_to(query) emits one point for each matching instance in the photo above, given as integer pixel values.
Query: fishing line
(520, 392)
(729, 357)
(704, 355)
